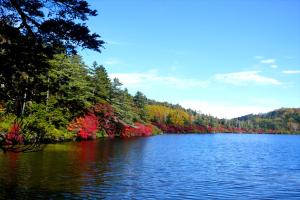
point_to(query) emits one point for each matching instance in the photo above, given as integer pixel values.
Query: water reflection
(161, 167)
(59, 170)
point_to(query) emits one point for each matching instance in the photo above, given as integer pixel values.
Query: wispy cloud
(151, 78)
(268, 61)
(246, 78)
(291, 72)
(271, 62)
(225, 110)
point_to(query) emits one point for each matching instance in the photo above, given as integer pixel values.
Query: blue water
(187, 166)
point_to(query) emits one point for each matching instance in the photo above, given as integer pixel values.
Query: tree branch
(23, 16)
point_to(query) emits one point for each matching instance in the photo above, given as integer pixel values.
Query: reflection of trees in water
(73, 169)
(60, 170)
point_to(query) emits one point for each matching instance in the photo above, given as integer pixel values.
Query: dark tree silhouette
(31, 32)
(54, 23)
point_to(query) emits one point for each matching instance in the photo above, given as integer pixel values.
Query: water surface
(187, 166)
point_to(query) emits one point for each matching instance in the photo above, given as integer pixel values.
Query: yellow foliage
(164, 114)
(178, 117)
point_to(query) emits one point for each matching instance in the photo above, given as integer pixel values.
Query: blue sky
(224, 58)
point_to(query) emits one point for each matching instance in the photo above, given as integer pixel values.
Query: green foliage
(101, 134)
(69, 82)
(123, 103)
(6, 121)
(101, 83)
(41, 88)
(48, 121)
(31, 33)
(284, 120)
(156, 130)
(140, 101)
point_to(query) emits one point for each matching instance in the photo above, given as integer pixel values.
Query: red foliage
(86, 126)
(137, 130)
(169, 128)
(107, 119)
(14, 136)
(100, 117)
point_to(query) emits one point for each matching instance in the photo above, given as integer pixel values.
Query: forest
(48, 94)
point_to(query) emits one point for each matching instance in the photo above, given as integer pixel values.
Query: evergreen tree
(102, 85)
(122, 102)
(140, 102)
(69, 83)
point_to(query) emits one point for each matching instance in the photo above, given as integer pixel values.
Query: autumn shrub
(155, 130)
(137, 130)
(171, 128)
(144, 130)
(5, 122)
(85, 127)
(14, 135)
(107, 119)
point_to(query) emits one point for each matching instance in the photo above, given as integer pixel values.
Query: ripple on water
(219, 166)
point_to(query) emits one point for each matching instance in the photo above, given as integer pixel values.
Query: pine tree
(140, 102)
(102, 85)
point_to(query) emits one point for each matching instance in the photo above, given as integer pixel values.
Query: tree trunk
(24, 102)
(48, 92)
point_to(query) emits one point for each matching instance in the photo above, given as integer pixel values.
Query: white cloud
(268, 61)
(246, 78)
(226, 111)
(151, 78)
(291, 72)
(274, 66)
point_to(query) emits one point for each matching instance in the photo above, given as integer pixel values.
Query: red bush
(14, 135)
(107, 119)
(100, 117)
(85, 127)
(137, 130)
(170, 128)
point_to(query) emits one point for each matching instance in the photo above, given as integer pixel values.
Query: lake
(170, 166)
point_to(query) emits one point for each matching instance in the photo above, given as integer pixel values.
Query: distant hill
(174, 118)
(283, 120)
